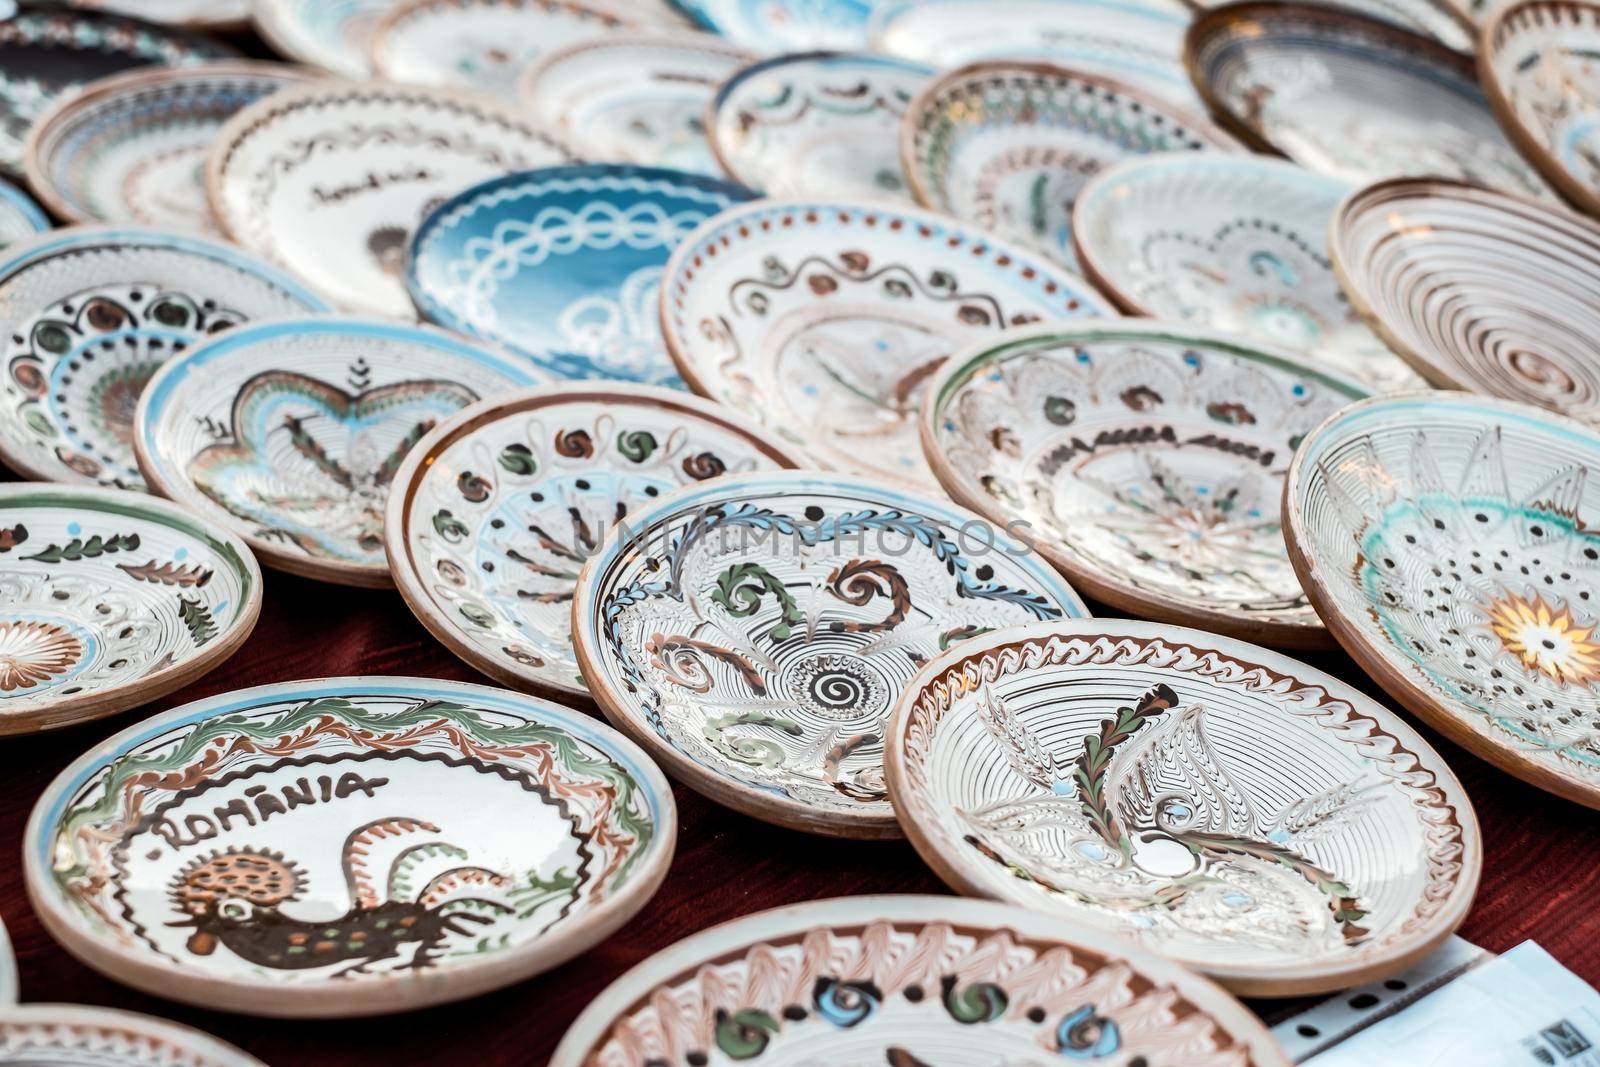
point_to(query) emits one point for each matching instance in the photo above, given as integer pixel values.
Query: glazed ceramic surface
(132, 148)
(494, 514)
(754, 633)
(330, 180)
(1008, 145)
(100, 1037)
(1137, 42)
(1442, 20)
(225, 14)
(908, 980)
(89, 314)
(109, 599)
(564, 265)
(1448, 540)
(1145, 459)
(335, 35)
(347, 846)
(481, 44)
(8, 969)
(1235, 242)
(20, 216)
(823, 320)
(46, 50)
(1225, 806)
(633, 98)
(816, 124)
(290, 431)
(1540, 65)
(1349, 96)
(1477, 290)
(785, 25)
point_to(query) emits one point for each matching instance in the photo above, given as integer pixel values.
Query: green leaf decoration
(518, 459)
(449, 527)
(93, 548)
(194, 576)
(739, 591)
(535, 892)
(197, 617)
(636, 445)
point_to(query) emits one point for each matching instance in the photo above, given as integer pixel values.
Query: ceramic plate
(1137, 42)
(1476, 290)
(1540, 66)
(47, 49)
(494, 513)
(132, 148)
(1235, 242)
(89, 314)
(335, 35)
(329, 180)
(785, 25)
(1448, 541)
(1232, 809)
(20, 216)
(910, 981)
(1442, 20)
(1144, 459)
(1008, 145)
(564, 265)
(754, 633)
(817, 124)
(210, 14)
(102, 1037)
(633, 98)
(823, 320)
(1349, 96)
(8, 970)
(290, 431)
(110, 599)
(481, 44)
(347, 846)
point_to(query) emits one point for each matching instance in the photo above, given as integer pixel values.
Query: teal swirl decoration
(983, 1002)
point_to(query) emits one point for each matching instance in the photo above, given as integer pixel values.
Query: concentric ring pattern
(1478, 291)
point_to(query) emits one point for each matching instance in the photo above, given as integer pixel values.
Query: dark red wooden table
(1541, 878)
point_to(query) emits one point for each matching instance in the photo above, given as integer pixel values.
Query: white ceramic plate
(335, 35)
(78, 1036)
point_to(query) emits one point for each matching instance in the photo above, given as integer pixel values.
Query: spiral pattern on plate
(1478, 291)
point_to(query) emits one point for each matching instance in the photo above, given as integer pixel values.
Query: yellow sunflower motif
(1546, 638)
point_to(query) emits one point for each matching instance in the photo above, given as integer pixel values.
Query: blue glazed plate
(289, 432)
(785, 25)
(564, 264)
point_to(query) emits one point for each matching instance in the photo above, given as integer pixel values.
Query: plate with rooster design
(1145, 460)
(290, 431)
(912, 981)
(109, 599)
(494, 513)
(1216, 802)
(754, 632)
(89, 314)
(347, 846)
(823, 320)
(1449, 542)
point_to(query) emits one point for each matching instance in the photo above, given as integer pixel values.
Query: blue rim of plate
(25, 206)
(526, 184)
(712, 15)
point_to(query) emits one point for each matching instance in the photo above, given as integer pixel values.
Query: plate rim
(214, 1051)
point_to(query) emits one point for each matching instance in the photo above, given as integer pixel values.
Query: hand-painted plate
(1442, 20)
(1232, 809)
(785, 25)
(823, 320)
(494, 513)
(20, 215)
(1448, 542)
(633, 98)
(197, 14)
(1136, 42)
(910, 981)
(754, 633)
(1477, 290)
(816, 124)
(564, 265)
(1145, 460)
(131, 148)
(290, 431)
(89, 314)
(347, 846)
(481, 44)
(1348, 96)
(329, 180)
(48, 49)
(1008, 145)
(110, 599)
(1235, 242)
(103, 1037)
(1540, 67)
(335, 35)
